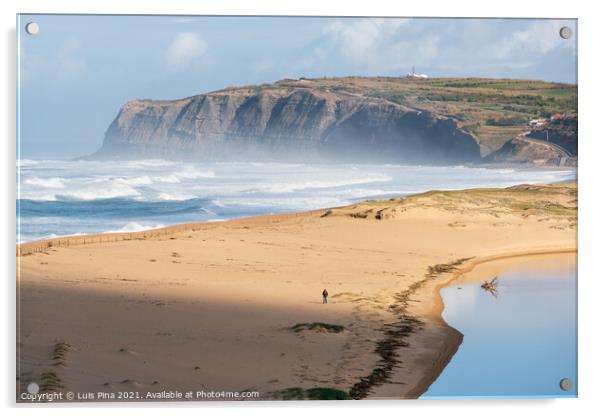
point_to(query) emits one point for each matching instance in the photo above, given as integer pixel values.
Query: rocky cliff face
(524, 149)
(286, 122)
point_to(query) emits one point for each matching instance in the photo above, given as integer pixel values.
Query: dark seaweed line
(395, 334)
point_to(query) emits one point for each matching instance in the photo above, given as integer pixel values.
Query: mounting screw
(565, 32)
(33, 388)
(32, 28)
(565, 384)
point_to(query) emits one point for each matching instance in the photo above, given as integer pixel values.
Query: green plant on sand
(317, 326)
(316, 393)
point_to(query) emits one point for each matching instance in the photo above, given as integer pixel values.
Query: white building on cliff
(413, 74)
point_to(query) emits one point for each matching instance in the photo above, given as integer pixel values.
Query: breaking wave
(132, 227)
(80, 197)
(45, 183)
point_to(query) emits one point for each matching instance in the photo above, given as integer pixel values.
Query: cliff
(523, 149)
(394, 120)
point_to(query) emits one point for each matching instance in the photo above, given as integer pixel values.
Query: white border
(589, 187)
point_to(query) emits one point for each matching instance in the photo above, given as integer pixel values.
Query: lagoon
(520, 343)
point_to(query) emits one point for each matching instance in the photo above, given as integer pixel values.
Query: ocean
(61, 198)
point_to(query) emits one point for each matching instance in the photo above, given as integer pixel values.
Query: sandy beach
(212, 306)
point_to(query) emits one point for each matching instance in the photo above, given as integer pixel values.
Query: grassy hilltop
(494, 110)
(370, 119)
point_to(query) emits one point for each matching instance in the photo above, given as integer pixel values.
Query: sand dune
(210, 306)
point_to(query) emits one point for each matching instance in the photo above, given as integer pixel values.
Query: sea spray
(59, 198)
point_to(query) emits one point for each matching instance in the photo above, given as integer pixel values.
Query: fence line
(43, 245)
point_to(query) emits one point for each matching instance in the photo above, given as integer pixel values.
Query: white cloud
(535, 40)
(377, 45)
(444, 46)
(185, 48)
(360, 37)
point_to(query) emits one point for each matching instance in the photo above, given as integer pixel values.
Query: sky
(77, 72)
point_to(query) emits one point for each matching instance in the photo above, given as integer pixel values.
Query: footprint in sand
(132, 383)
(124, 350)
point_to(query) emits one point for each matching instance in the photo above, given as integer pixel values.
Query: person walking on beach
(325, 296)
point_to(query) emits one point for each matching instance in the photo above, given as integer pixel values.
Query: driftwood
(490, 286)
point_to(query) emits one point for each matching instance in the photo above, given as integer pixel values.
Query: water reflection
(520, 343)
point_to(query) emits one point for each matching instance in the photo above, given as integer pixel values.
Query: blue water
(520, 344)
(58, 198)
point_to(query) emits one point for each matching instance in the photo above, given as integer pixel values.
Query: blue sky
(78, 71)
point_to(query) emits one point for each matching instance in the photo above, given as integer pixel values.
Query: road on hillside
(562, 150)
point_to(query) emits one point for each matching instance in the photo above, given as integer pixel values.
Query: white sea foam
(174, 197)
(133, 226)
(322, 184)
(106, 190)
(26, 162)
(26, 238)
(224, 190)
(299, 203)
(208, 211)
(144, 163)
(367, 192)
(139, 180)
(52, 183)
(195, 174)
(166, 179)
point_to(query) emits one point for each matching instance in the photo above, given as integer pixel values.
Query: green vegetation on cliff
(495, 110)
(373, 119)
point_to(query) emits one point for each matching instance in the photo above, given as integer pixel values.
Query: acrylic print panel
(295, 208)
